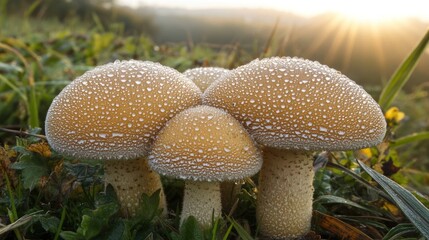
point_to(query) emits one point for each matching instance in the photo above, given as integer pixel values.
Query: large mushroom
(112, 113)
(204, 146)
(293, 107)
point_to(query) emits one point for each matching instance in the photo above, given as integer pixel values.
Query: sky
(363, 10)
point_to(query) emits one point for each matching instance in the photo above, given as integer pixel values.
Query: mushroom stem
(285, 196)
(130, 179)
(201, 200)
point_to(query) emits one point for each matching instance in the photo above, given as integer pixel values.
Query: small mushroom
(112, 113)
(204, 146)
(293, 107)
(203, 77)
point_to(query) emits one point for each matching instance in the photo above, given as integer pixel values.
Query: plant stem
(14, 214)
(21, 133)
(60, 226)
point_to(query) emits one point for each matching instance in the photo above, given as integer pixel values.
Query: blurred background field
(45, 44)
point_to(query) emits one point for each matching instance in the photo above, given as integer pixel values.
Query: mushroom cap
(114, 111)
(203, 77)
(292, 103)
(204, 143)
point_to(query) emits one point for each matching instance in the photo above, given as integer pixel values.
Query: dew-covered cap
(294, 103)
(205, 76)
(115, 110)
(206, 144)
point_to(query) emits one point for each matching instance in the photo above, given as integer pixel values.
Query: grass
(46, 196)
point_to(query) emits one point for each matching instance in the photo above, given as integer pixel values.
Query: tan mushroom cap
(115, 110)
(206, 144)
(294, 103)
(203, 77)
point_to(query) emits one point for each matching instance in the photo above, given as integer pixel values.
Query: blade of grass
(33, 106)
(225, 237)
(331, 199)
(402, 74)
(33, 111)
(233, 55)
(3, 9)
(13, 214)
(99, 25)
(19, 43)
(215, 227)
(270, 39)
(410, 138)
(14, 88)
(359, 179)
(240, 230)
(31, 9)
(416, 212)
(399, 230)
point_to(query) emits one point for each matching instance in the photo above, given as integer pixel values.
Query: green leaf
(416, 212)
(149, 207)
(50, 223)
(402, 74)
(69, 235)
(85, 174)
(410, 138)
(90, 226)
(117, 232)
(339, 200)
(94, 221)
(400, 230)
(33, 169)
(190, 229)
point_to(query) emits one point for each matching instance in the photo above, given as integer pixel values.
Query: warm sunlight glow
(362, 10)
(367, 11)
(343, 26)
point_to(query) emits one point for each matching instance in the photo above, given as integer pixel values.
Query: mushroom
(203, 77)
(112, 113)
(293, 107)
(204, 146)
